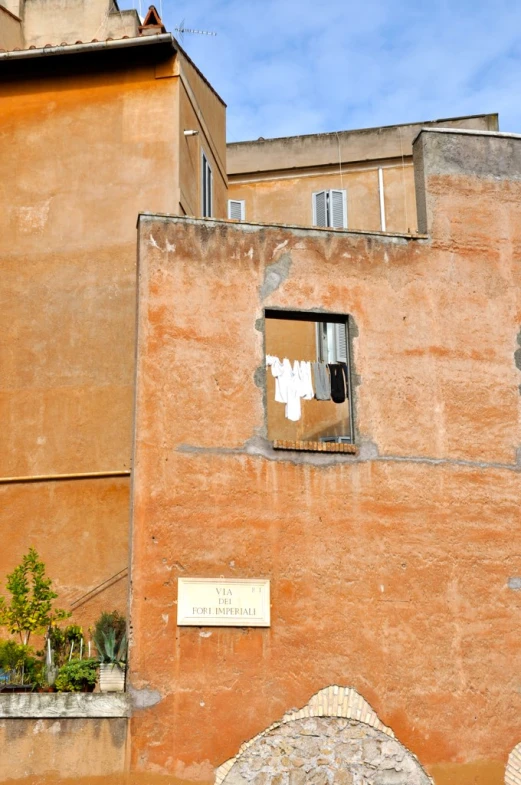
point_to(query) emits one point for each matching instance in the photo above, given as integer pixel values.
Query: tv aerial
(181, 29)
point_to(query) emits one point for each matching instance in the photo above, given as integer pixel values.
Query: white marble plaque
(223, 602)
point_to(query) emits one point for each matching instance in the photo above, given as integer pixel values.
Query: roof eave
(93, 46)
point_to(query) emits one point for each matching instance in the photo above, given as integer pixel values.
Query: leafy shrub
(110, 621)
(77, 675)
(17, 663)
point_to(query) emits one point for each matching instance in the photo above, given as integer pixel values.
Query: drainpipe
(382, 199)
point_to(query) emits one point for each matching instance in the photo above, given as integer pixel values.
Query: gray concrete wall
(326, 149)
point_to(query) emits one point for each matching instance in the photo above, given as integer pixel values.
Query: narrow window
(330, 209)
(308, 381)
(206, 187)
(236, 209)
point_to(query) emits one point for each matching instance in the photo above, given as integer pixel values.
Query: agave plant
(109, 652)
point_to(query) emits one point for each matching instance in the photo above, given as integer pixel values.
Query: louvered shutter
(236, 209)
(320, 208)
(341, 343)
(338, 209)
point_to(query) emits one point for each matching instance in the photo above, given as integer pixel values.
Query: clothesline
(294, 382)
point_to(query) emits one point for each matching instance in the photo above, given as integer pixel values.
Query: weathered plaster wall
(276, 177)
(54, 22)
(392, 571)
(86, 151)
(11, 34)
(79, 528)
(365, 144)
(288, 199)
(33, 750)
(200, 109)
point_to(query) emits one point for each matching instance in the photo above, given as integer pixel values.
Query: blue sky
(305, 66)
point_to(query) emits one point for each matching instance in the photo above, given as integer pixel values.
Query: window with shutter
(206, 187)
(330, 209)
(236, 209)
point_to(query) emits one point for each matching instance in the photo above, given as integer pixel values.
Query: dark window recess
(206, 187)
(308, 380)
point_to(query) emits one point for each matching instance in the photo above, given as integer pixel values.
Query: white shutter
(338, 209)
(236, 209)
(320, 208)
(341, 343)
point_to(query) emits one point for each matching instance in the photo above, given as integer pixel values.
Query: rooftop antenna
(181, 29)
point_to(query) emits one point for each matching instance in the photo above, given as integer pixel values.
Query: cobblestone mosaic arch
(337, 739)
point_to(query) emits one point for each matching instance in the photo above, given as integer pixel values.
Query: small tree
(31, 607)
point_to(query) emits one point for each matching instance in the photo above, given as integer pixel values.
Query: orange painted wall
(389, 570)
(288, 199)
(86, 145)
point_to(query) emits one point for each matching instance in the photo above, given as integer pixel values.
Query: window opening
(236, 209)
(206, 187)
(330, 209)
(308, 380)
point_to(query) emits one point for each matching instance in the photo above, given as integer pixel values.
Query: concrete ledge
(64, 704)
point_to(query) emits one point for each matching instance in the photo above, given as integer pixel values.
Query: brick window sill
(331, 447)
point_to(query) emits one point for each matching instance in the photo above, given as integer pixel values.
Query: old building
(366, 174)
(91, 133)
(385, 522)
(393, 569)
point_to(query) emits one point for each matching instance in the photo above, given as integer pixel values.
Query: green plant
(31, 607)
(17, 663)
(109, 651)
(65, 642)
(110, 621)
(77, 675)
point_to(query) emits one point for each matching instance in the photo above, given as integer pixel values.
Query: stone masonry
(326, 751)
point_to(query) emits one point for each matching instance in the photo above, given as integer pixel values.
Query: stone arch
(337, 739)
(513, 769)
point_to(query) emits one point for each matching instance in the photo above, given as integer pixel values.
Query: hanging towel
(306, 389)
(322, 382)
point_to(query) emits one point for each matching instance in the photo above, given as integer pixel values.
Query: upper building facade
(357, 180)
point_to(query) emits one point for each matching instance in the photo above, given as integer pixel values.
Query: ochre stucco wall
(200, 110)
(288, 199)
(390, 571)
(51, 750)
(86, 153)
(11, 34)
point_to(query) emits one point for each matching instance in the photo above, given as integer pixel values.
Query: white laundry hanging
(292, 383)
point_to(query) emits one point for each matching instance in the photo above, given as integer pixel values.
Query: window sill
(346, 449)
(19, 705)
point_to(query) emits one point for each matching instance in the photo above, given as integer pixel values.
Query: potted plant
(113, 661)
(111, 642)
(77, 676)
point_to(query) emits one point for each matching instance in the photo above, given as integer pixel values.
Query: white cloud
(300, 66)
